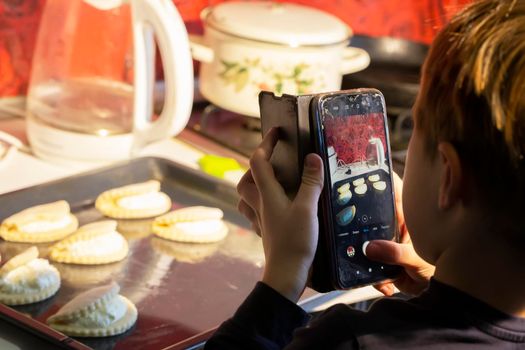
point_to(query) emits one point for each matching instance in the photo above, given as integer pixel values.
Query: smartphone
(290, 114)
(350, 132)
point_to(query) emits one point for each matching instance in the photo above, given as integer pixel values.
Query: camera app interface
(355, 138)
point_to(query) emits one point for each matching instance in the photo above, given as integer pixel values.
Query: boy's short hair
(473, 96)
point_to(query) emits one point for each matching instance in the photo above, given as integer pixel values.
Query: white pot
(281, 47)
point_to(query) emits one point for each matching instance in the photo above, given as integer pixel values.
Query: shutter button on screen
(364, 247)
(350, 251)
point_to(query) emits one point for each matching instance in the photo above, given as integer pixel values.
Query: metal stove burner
(231, 130)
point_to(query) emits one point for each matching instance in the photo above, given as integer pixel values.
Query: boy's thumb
(392, 253)
(312, 180)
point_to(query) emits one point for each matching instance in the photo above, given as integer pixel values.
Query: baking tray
(373, 212)
(182, 291)
(371, 208)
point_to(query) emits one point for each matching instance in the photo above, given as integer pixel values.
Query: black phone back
(281, 112)
(291, 115)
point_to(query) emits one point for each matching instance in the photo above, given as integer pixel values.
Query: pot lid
(278, 23)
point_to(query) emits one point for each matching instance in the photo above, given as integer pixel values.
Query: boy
(463, 197)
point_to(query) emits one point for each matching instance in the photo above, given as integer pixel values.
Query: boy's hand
(416, 272)
(289, 229)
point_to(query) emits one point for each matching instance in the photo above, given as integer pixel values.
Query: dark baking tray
(371, 205)
(181, 291)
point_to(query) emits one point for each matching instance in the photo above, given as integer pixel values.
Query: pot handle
(354, 60)
(199, 50)
(160, 17)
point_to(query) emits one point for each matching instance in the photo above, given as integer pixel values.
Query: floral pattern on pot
(297, 79)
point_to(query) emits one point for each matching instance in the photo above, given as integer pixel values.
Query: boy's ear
(451, 177)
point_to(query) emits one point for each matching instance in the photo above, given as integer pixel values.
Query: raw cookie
(344, 197)
(361, 189)
(345, 216)
(42, 223)
(192, 225)
(380, 186)
(26, 279)
(92, 244)
(374, 178)
(344, 188)
(98, 312)
(136, 201)
(358, 182)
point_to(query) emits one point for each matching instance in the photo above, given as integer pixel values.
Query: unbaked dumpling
(136, 201)
(197, 224)
(361, 189)
(344, 197)
(26, 279)
(92, 244)
(380, 186)
(98, 312)
(42, 223)
(345, 216)
(344, 188)
(374, 178)
(358, 182)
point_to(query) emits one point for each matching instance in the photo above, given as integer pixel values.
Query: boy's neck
(488, 270)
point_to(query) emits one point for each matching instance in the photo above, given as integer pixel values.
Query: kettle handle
(160, 17)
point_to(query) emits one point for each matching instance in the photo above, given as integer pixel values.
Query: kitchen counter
(25, 170)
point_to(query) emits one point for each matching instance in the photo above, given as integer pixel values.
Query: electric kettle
(375, 152)
(90, 96)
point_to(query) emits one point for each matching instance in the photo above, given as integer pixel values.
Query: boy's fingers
(262, 170)
(246, 179)
(386, 288)
(249, 194)
(398, 189)
(251, 215)
(256, 229)
(246, 210)
(398, 192)
(393, 253)
(312, 181)
(268, 142)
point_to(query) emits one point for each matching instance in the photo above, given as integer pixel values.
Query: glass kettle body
(91, 89)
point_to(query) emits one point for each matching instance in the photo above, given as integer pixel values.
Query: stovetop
(231, 130)
(242, 134)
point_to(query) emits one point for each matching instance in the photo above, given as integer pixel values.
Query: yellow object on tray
(221, 167)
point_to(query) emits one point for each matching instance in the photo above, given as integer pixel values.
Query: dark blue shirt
(440, 318)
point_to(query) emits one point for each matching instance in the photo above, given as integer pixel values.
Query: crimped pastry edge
(109, 208)
(20, 259)
(83, 235)
(131, 189)
(30, 298)
(121, 326)
(53, 235)
(176, 234)
(65, 257)
(85, 310)
(194, 213)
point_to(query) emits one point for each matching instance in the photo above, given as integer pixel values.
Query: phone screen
(356, 150)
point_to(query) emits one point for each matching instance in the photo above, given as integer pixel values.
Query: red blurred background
(416, 20)
(350, 136)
